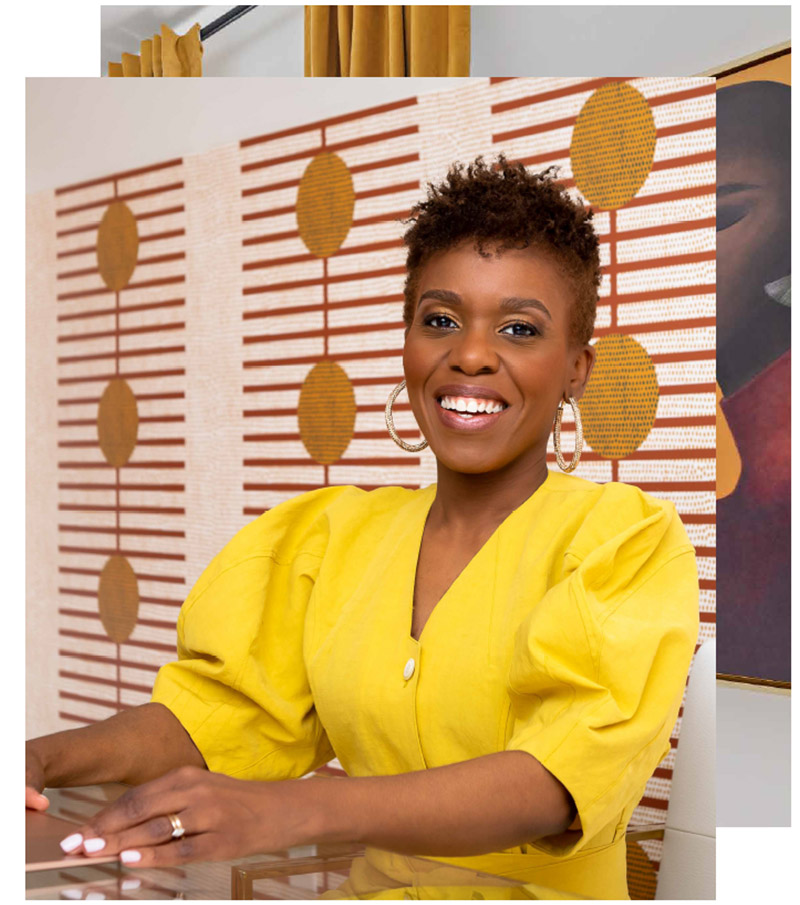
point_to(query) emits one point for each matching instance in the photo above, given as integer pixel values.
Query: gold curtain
(166, 54)
(387, 40)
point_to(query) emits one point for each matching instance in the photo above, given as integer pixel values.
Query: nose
(473, 351)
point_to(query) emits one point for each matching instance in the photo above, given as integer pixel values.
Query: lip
(478, 422)
(465, 389)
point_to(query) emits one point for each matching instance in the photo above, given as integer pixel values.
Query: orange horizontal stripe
(286, 460)
(129, 375)
(99, 658)
(331, 121)
(544, 96)
(111, 551)
(122, 309)
(318, 281)
(126, 331)
(331, 148)
(97, 680)
(130, 196)
(118, 354)
(123, 174)
(113, 530)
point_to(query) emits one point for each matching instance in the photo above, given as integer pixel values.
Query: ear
(582, 362)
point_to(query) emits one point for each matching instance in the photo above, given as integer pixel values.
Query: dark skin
(483, 804)
(461, 334)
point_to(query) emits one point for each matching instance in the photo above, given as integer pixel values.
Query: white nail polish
(130, 857)
(71, 842)
(94, 845)
(72, 893)
(95, 895)
(131, 883)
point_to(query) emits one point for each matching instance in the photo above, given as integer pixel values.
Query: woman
(497, 660)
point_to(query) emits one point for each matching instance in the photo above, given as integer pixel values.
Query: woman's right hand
(34, 781)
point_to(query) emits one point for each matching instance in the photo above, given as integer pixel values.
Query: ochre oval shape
(117, 422)
(117, 246)
(618, 408)
(325, 202)
(326, 412)
(612, 145)
(729, 461)
(118, 598)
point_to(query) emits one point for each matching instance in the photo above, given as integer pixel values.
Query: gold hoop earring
(390, 422)
(576, 455)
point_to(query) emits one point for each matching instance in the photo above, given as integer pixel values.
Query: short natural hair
(506, 206)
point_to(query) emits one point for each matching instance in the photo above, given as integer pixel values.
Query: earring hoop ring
(408, 447)
(576, 455)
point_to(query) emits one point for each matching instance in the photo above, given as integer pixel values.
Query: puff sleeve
(599, 665)
(239, 686)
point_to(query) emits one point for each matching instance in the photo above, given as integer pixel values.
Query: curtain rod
(225, 19)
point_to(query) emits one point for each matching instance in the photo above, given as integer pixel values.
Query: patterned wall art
(754, 369)
(120, 244)
(310, 220)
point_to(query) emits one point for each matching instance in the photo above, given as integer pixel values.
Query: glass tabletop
(304, 872)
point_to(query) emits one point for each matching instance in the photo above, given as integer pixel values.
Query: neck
(468, 502)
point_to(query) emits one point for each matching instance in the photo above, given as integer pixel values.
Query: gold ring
(177, 827)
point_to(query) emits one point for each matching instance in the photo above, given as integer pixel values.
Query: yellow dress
(569, 635)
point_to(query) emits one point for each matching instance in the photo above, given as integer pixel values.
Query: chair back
(688, 862)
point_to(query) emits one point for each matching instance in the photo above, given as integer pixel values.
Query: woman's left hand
(222, 818)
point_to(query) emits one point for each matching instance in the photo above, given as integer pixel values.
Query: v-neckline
(416, 549)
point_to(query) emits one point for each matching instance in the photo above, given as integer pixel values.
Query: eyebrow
(731, 187)
(512, 303)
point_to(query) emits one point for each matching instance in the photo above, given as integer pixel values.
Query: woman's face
(491, 330)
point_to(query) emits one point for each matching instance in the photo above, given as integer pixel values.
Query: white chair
(688, 862)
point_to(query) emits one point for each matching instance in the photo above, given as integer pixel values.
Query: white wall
(753, 755)
(78, 129)
(620, 40)
(506, 40)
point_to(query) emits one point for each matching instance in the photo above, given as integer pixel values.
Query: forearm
(133, 746)
(482, 805)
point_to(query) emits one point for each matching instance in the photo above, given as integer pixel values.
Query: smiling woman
(497, 660)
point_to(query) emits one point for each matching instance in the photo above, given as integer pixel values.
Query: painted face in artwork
(753, 229)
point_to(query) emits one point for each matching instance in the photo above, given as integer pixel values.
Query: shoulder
(618, 521)
(590, 493)
(297, 532)
(303, 524)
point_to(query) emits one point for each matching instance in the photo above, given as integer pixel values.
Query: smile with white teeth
(467, 406)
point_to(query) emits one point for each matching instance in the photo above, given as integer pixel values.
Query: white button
(408, 671)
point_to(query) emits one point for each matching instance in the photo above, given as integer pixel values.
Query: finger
(167, 794)
(152, 832)
(35, 800)
(198, 847)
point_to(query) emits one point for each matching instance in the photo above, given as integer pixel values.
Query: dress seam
(190, 601)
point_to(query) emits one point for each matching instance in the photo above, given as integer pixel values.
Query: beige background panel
(214, 398)
(41, 537)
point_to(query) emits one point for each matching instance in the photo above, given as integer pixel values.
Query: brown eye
(436, 320)
(520, 328)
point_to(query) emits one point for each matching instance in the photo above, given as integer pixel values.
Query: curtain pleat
(130, 65)
(146, 57)
(165, 55)
(387, 41)
(157, 70)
